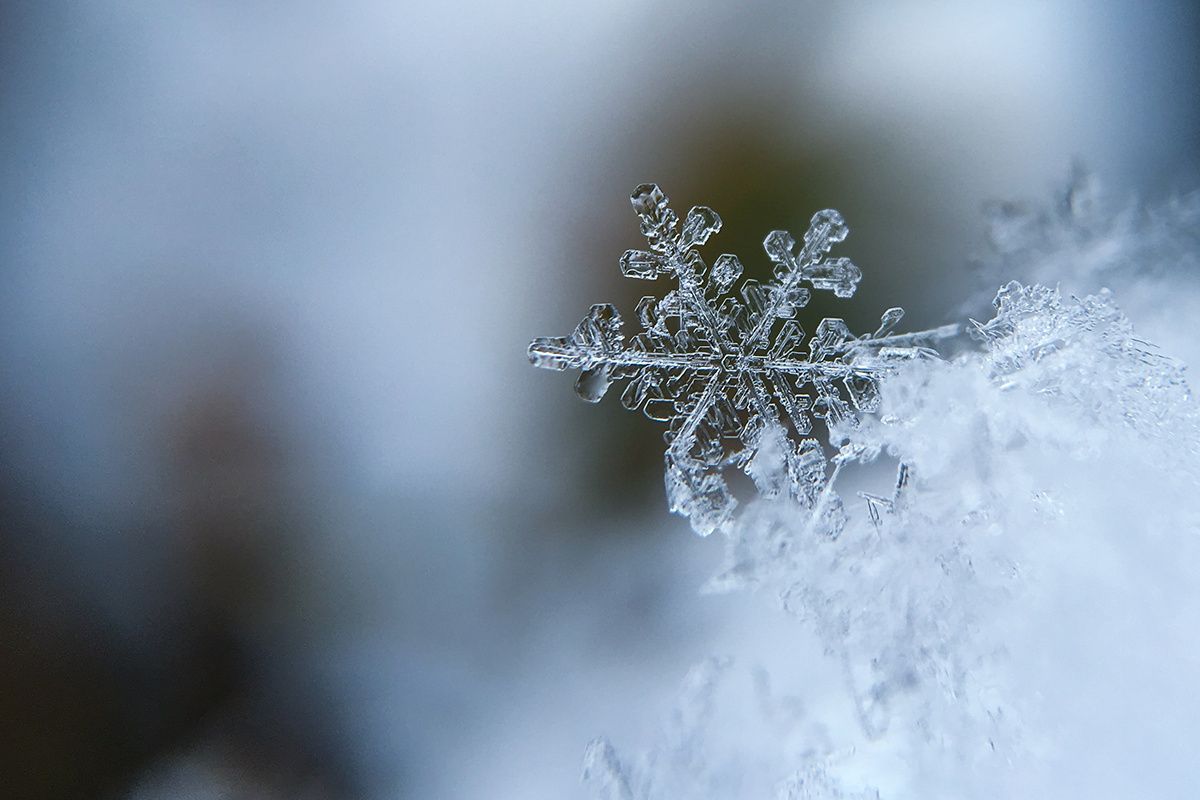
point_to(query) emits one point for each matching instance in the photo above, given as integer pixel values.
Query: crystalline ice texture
(727, 371)
(1084, 351)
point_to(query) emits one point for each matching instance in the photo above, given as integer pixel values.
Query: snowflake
(728, 373)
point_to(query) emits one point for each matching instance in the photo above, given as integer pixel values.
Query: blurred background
(284, 510)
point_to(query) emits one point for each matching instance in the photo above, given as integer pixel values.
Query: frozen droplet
(648, 200)
(593, 383)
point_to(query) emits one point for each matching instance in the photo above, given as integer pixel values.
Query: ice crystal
(1038, 340)
(1020, 603)
(1054, 449)
(1085, 239)
(1013, 455)
(733, 375)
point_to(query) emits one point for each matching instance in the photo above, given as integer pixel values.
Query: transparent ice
(1015, 613)
(735, 376)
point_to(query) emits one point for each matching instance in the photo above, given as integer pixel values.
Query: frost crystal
(1086, 239)
(732, 375)
(1085, 353)
(1020, 603)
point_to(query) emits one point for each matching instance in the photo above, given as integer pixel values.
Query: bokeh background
(285, 512)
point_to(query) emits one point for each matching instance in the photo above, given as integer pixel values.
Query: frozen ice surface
(730, 373)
